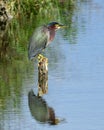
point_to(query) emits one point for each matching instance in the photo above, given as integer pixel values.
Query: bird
(41, 38)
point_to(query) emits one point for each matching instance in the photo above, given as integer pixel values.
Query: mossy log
(42, 75)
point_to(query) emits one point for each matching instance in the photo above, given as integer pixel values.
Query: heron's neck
(52, 34)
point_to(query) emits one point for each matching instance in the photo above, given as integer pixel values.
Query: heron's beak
(62, 26)
(58, 26)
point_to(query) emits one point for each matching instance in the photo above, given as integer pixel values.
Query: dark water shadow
(40, 110)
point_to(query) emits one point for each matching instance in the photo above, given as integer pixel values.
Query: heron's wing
(38, 41)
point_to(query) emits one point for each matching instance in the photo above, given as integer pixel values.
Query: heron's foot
(42, 59)
(40, 56)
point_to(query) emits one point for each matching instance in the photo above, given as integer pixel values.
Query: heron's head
(55, 25)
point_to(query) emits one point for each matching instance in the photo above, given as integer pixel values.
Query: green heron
(41, 38)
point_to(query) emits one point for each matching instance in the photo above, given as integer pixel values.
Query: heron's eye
(57, 26)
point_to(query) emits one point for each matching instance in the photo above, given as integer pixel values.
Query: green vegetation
(35, 7)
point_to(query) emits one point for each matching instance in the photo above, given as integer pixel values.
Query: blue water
(76, 84)
(76, 78)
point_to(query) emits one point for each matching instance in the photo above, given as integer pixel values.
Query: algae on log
(42, 75)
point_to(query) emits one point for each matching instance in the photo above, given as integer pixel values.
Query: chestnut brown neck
(52, 33)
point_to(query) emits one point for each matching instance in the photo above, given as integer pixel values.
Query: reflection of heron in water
(40, 110)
